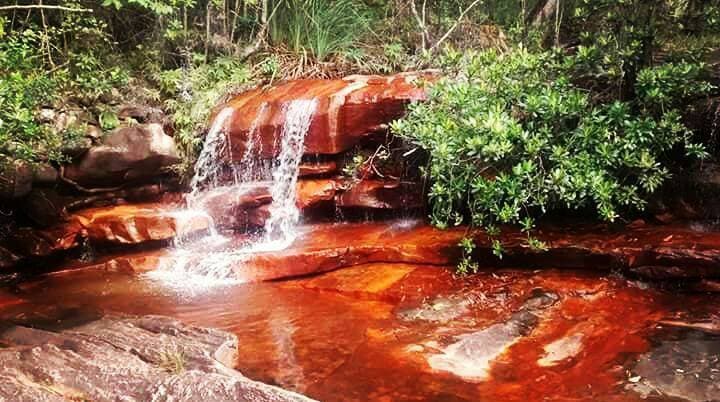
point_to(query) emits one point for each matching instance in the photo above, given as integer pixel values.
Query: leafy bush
(23, 88)
(511, 136)
(194, 92)
(37, 69)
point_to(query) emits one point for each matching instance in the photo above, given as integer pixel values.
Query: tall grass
(320, 27)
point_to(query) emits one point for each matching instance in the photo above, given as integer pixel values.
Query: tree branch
(45, 7)
(421, 23)
(457, 22)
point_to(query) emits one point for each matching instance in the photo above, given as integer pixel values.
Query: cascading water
(191, 263)
(284, 213)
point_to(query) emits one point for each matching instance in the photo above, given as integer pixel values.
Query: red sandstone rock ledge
(347, 110)
(652, 252)
(115, 225)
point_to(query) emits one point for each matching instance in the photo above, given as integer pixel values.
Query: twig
(46, 7)
(421, 22)
(452, 29)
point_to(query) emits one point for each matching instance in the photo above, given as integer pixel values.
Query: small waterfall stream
(191, 263)
(284, 213)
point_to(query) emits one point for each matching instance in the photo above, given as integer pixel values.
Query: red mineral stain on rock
(347, 110)
(317, 168)
(140, 223)
(382, 194)
(311, 192)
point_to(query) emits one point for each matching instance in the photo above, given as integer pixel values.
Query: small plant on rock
(173, 359)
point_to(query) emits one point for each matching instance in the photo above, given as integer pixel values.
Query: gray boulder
(128, 154)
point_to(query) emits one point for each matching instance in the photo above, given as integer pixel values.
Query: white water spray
(209, 167)
(191, 265)
(284, 213)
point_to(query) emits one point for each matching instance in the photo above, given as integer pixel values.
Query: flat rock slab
(118, 358)
(686, 366)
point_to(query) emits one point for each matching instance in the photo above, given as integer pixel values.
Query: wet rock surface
(117, 225)
(471, 354)
(649, 252)
(348, 110)
(125, 358)
(683, 364)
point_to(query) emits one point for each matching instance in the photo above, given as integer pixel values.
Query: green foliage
(194, 92)
(618, 38)
(39, 66)
(512, 136)
(22, 88)
(320, 27)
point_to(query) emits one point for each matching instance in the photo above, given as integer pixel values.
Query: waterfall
(284, 213)
(209, 167)
(191, 264)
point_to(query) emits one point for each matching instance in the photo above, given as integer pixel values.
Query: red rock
(382, 194)
(347, 111)
(9, 299)
(8, 259)
(28, 242)
(134, 224)
(317, 169)
(311, 192)
(228, 205)
(125, 358)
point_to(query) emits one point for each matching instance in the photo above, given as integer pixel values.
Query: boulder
(128, 154)
(44, 206)
(228, 206)
(347, 111)
(126, 358)
(16, 178)
(311, 192)
(44, 174)
(7, 258)
(141, 114)
(28, 242)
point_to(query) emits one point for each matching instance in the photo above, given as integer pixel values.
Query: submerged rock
(561, 349)
(471, 355)
(115, 358)
(686, 366)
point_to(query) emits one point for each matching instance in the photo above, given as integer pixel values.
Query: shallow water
(371, 333)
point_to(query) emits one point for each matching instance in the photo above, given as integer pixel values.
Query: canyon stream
(336, 288)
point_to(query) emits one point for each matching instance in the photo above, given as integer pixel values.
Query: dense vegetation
(594, 124)
(544, 104)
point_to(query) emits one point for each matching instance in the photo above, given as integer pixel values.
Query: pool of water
(395, 332)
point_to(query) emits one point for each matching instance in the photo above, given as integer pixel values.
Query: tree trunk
(543, 11)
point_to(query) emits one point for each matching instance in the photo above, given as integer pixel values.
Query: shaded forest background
(524, 75)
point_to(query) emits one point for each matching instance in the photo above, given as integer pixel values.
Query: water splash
(284, 213)
(205, 262)
(209, 168)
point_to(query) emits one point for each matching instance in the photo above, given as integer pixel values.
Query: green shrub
(511, 136)
(194, 92)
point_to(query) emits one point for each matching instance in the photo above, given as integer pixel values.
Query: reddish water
(367, 333)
